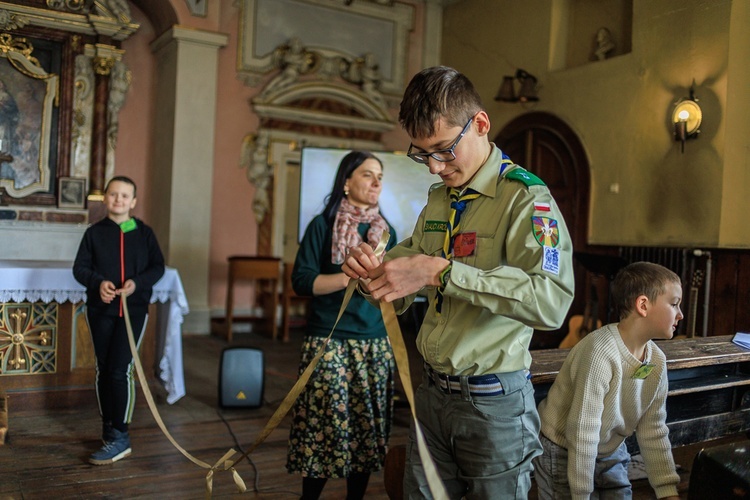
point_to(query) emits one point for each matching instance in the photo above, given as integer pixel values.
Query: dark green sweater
(361, 320)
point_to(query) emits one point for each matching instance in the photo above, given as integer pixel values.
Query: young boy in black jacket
(118, 256)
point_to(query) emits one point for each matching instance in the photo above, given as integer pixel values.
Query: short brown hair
(437, 92)
(121, 178)
(640, 278)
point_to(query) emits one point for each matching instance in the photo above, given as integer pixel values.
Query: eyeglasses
(443, 155)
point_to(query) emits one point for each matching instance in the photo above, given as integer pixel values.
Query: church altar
(44, 339)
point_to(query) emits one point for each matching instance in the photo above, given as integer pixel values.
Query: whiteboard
(405, 186)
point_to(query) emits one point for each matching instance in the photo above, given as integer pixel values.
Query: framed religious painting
(28, 115)
(72, 192)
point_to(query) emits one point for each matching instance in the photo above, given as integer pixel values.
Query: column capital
(103, 56)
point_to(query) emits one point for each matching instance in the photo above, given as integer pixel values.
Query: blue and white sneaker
(112, 451)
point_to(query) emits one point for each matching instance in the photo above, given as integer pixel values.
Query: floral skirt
(342, 420)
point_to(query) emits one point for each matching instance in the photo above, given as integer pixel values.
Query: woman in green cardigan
(342, 421)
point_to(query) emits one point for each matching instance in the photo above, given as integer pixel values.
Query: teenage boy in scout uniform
(494, 255)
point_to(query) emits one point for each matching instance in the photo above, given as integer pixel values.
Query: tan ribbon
(155, 412)
(402, 363)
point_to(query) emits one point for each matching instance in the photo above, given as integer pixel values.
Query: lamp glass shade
(692, 120)
(527, 92)
(507, 92)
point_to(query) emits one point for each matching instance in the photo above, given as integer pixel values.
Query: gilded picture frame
(28, 95)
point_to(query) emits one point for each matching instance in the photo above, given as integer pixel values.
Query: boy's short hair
(121, 178)
(640, 278)
(437, 92)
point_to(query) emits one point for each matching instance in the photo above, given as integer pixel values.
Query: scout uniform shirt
(512, 272)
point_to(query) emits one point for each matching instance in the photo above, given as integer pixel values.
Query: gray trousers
(482, 446)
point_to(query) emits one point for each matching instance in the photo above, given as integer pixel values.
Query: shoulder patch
(527, 178)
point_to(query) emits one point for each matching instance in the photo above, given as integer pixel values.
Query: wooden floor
(46, 452)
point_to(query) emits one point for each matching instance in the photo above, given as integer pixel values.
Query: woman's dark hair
(348, 165)
(121, 178)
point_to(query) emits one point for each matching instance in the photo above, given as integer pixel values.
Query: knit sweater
(595, 403)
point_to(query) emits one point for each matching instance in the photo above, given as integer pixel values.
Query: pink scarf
(345, 227)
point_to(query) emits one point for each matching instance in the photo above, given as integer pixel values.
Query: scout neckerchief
(458, 205)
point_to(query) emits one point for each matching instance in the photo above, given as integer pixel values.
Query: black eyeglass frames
(443, 155)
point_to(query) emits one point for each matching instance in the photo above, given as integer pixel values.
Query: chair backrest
(253, 267)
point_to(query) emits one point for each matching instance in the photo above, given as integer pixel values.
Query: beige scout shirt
(509, 284)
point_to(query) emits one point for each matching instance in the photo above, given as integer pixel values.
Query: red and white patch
(541, 207)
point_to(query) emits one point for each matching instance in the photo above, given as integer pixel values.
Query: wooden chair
(288, 299)
(266, 271)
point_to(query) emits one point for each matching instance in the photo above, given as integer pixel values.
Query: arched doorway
(547, 146)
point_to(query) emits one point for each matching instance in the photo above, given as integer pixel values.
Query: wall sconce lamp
(527, 91)
(686, 117)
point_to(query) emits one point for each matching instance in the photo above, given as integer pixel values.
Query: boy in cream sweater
(614, 383)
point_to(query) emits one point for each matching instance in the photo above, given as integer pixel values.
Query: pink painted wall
(134, 143)
(234, 229)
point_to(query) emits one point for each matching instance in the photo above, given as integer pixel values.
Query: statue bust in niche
(604, 44)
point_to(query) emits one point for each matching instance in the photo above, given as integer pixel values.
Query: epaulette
(521, 175)
(435, 186)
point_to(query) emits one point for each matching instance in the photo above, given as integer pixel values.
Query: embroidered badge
(541, 207)
(435, 226)
(545, 231)
(551, 260)
(643, 371)
(464, 244)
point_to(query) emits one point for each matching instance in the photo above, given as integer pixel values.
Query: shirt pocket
(432, 244)
(485, 255)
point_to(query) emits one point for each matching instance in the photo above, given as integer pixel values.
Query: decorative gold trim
(74, 5)
(28, 339)
(103, 65)
(20, 45)
(17, 51)
(103, 57)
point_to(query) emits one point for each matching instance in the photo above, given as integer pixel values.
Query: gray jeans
(482, 446)
(610, 474)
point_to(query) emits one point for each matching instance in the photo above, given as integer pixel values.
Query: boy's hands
(396, 278)
(108, 292)
(127, 288)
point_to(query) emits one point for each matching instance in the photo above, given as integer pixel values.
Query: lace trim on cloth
(58, 296)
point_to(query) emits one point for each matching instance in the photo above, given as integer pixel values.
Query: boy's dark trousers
(115, 386)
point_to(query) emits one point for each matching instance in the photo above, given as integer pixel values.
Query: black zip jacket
(98, 260)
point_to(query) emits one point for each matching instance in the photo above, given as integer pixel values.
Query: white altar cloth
(52, 281)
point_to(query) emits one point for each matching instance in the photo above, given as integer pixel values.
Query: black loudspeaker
(721, 472)
(241, 378)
